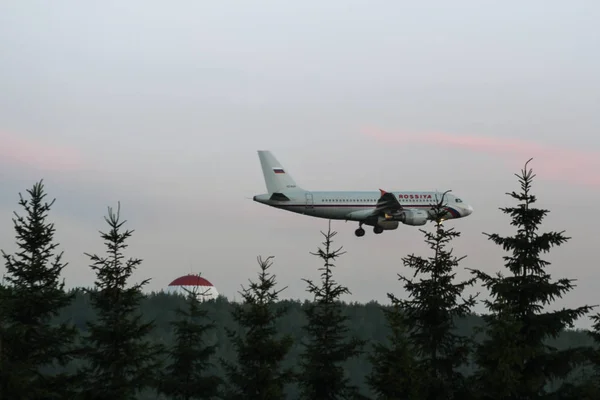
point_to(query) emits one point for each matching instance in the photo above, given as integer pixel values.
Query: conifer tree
(586, 384)
(327, 346)
(186, 377)
(515, 361)
(260, 352)
(434, 303)
(121, 360)
(31, 340)
(394, 375)
(591, 388)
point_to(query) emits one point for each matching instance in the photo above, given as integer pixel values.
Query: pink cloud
(551, 161)
(16, 150)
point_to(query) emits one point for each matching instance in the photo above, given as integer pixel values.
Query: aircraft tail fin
(276, 177)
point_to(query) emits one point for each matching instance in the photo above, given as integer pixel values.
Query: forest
(113, 341)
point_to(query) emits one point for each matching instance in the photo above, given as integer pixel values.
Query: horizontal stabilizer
(279, 197)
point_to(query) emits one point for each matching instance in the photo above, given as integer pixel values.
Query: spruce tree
(121, 361)
(187, 376)
(591, 388)
(514, 359)
(394, 375)
(258, 373)
(327, 347)
(430, 312)
(586, 384)
(32, 342)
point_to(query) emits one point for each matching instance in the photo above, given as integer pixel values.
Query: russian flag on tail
(278, 170)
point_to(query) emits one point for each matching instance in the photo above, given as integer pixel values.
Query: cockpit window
(458, 200)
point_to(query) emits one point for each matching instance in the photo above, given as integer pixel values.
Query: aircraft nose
(468, 210)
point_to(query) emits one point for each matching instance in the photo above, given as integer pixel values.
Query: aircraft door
(309, 202)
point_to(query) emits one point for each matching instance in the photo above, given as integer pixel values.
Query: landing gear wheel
(359, 232)
(377, 230)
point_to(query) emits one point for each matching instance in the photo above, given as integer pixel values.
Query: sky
(161, 106)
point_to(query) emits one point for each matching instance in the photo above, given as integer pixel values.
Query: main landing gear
(360, 232)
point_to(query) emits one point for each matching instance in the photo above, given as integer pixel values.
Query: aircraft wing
(387, 205)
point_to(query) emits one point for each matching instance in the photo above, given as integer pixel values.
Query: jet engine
(387, 225)
(414, 217)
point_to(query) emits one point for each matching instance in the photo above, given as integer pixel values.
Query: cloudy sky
(162, 106)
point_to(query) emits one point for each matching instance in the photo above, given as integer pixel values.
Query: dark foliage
(394, 375)
(365, 321)
(587, 387)
(327, 346)
(515, 361)
(258, 373)
(595, 334)
(434, 303)
(32, 342)
(187, 376)
(121, 361)
(523, 352)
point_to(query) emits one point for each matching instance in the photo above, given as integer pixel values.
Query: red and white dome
(201, 286)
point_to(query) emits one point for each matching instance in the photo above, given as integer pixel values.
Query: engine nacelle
(414, 217)
(387, 225)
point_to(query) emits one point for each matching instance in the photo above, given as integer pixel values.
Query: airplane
(383, 210)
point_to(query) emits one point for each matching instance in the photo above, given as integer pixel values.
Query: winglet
(382, 191)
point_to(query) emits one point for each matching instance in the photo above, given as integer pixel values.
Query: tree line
(116, 352)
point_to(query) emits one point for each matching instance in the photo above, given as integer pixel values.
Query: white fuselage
(381, 209)
(355, 206)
